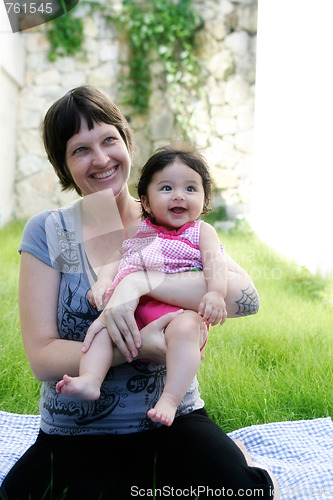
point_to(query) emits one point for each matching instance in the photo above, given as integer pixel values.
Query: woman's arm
(186, 289)
(242, 297)
(49, 355)
(180, 289)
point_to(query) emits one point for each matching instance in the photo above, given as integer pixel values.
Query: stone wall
(221, 118)
(11, 79)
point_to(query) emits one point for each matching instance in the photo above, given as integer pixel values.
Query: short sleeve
(34, 239)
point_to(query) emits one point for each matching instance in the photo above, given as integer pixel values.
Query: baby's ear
(145, 204)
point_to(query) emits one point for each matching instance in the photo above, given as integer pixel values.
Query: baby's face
(175, 195)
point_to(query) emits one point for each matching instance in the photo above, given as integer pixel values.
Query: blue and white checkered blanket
(299, 454)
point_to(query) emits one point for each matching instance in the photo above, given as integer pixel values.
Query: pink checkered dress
(155, 248)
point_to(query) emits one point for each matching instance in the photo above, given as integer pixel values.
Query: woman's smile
(106, 174)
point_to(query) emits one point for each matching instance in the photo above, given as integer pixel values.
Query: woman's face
(98, 159)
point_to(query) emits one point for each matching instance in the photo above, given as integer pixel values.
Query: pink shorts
(150, 309)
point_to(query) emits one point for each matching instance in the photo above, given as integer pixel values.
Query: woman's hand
(121, 326)
(118, 318)
(153, 338)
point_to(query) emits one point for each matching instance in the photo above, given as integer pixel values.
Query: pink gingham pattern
(156, 248)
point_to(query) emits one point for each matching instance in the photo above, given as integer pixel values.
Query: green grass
(19, 391)
(276, 365)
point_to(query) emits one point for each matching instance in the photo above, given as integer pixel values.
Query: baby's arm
(105, 279)
(212, 306)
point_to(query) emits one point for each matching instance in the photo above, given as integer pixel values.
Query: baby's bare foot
(84, 387)
(164, 411)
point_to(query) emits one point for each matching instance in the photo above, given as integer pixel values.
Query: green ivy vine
(158, 28)
(65, 35)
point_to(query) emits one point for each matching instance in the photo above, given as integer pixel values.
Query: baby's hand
(212, 308)
(96, 294)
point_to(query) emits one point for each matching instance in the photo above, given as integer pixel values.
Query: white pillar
(11, 80)
(293, 162)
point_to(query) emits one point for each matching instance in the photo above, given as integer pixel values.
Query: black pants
(192, 457)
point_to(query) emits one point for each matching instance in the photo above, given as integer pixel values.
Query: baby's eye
(190, 189)
(166, 188)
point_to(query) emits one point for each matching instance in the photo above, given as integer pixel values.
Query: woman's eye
(109, 139)
(79, 150)
(166, 188)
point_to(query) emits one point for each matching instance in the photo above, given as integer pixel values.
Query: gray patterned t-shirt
(129, 390)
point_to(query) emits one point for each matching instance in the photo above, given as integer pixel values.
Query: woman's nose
(100, 158)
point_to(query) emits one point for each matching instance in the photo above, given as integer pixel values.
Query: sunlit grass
(19, 391)
(276, 365)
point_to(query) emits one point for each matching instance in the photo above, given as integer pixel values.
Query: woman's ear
(145, 204)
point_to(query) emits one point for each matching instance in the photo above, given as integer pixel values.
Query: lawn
(276, 365)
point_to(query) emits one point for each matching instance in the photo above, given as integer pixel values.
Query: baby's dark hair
(166, 156)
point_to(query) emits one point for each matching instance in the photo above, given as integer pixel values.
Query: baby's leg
(184, 337)
(94, 366)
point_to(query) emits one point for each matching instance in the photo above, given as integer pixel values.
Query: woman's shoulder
(35, 227)
(41, 232)
(40, 221)
(34, 237)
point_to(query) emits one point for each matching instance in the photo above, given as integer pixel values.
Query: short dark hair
(166, 156)
(63, 120)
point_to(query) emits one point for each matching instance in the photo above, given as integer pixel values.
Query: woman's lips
(106, 174)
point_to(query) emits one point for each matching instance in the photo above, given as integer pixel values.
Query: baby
(174, 189)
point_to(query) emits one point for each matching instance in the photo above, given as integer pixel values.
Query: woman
(109, 448)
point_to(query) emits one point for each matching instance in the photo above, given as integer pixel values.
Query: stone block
(108, 51)
(103, 75)
(224, 178)
(244, 141)
(50, 77)
(90, 28)
(206, 45)
(245, 116)
(32, 142)
(221, 65)
(36, 42)
(217, 29)
(237, 91)
(215, 92)
(238, 43)
(247, 19)
(161, 125)
(225, 125)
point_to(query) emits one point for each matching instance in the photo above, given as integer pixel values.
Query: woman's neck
(104, 213)
(106, 222)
